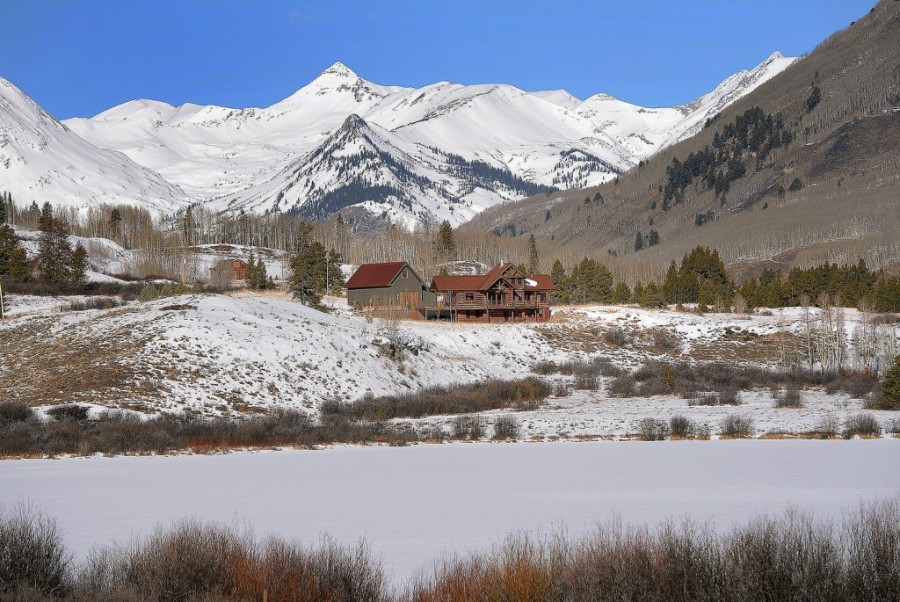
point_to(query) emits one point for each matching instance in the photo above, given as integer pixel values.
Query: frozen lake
(415, 504)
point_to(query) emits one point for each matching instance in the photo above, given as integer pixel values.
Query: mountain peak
(354, 122)
(341, 70)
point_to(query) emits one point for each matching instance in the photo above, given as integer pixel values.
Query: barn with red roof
(392, 285)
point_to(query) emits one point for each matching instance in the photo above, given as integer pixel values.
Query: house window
(404, 273)
(470, 297)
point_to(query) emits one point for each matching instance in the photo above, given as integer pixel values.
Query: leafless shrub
(195, 561)
(14, 411)
(468, 427)
(94, 303)
(69, 412)
(736, 427)
(790, 558)
(703, 399)
(653, 429)
(863, 425)
(623, 386)
(892, 427)
(871, 540)
(579, 368)
(545, 368)
(665, 340)
(434, 433)
(524, 394)
(128, 291)
(682, 427)
(32, 554)
(827, 427)
(506, 427)
(586, 383)
(790, 398)
(729, 398)
(654, 387)
(648, 371)
(855, 384)
(560, 389)
(119, 432)
(617, 337)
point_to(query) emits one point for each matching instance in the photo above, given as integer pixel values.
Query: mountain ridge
(223, 157)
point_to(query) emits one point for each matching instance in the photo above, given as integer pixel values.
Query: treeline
(161, 244)
(702, 278)
(849, 285)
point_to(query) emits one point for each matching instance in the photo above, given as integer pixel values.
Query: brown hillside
(845, 153)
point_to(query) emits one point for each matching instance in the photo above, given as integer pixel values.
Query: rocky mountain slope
(824, 190)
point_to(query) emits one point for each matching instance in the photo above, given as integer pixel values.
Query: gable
(506, 270)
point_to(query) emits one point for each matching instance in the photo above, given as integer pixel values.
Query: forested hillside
(804, 170)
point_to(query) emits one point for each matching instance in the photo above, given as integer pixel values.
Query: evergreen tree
(307, 280)
(890, 387)
(621, 293)
(256, 273)
(445, 246)
(115, 222)
(334, 273)
(19, 270)
(3, 211)
(653, 238)
(638, 241)
(78, 268)
(534, 263)
(706, 296)
(638, 293)
(8, 243)
(54, 254)
(45, 221)
(561, 282)
(591, 282)
(652, 296)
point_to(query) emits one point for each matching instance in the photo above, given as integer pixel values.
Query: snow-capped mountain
(43, 160)
(444, 151)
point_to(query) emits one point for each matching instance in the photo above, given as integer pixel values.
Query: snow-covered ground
(216, 354)
(417, 504)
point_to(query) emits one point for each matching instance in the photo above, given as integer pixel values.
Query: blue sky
(79, 57)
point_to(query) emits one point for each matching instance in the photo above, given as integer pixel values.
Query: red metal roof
(544, 283)
(483, 283)
(456, 283)
(373, 275)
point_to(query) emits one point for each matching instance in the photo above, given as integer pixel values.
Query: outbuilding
(387, 286)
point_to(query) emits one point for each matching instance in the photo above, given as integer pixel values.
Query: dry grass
(46, 357)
